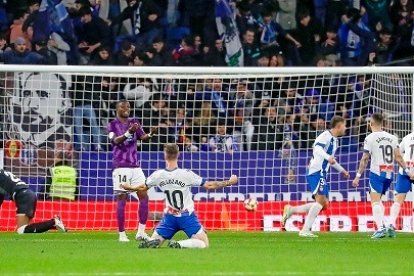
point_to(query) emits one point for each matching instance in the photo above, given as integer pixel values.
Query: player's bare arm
(133, 188)
(212, 185)
(149, 135)
(130, 132)
(400, 161)
(362, 166)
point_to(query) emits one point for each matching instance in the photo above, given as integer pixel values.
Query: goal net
(259, 124)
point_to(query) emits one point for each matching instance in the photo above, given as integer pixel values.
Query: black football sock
(40, 227)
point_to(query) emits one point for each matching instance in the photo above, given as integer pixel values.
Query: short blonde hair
(171, 151)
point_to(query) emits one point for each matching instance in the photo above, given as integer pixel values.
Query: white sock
(378, 214)
(122, 233)
(141, 228)
(192, 243)
(20, 230)
(310, 218)
(394, 212)
(301, 208)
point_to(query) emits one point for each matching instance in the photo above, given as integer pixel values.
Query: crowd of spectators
(228, 115)
(214, 114)
(184, 32)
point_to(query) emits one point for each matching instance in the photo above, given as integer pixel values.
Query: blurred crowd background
(187, 32)
(219, 114)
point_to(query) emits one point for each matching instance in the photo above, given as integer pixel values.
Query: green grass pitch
(230, 253)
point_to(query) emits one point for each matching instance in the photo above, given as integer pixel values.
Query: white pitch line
(240, 273)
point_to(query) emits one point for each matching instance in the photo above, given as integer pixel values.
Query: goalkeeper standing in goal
(124, 133)
(179, 212)
(382, 148)
(324, 150)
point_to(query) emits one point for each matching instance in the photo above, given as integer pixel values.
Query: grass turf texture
(229, 253)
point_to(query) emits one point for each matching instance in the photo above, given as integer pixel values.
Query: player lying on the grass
(179, 212)
(404, 182)
(25, 200)
(382, 148)
(324, 150)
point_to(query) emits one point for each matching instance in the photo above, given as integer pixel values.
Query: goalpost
(258, 123)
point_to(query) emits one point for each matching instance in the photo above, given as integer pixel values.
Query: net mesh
(260, 128)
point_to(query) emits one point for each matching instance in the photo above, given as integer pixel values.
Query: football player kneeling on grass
(179, 212)
(25, 200)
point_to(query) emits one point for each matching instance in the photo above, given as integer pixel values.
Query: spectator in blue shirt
(271, 32)
(20, 54)
(222, 142)
(356, 40)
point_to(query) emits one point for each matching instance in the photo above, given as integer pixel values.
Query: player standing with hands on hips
(179, 210)
(323, 158)
(382, 148)
(124, 133)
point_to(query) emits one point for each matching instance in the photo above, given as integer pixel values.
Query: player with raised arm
(404, 182)
(324, 149)
(179, 211)
(25, 201)
(124, 133)
(382, 148)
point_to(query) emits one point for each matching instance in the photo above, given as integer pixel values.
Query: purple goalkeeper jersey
(125, 155)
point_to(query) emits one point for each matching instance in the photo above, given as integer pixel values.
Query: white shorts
(133, 176)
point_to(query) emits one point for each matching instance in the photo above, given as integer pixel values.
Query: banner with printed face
(38, 120)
